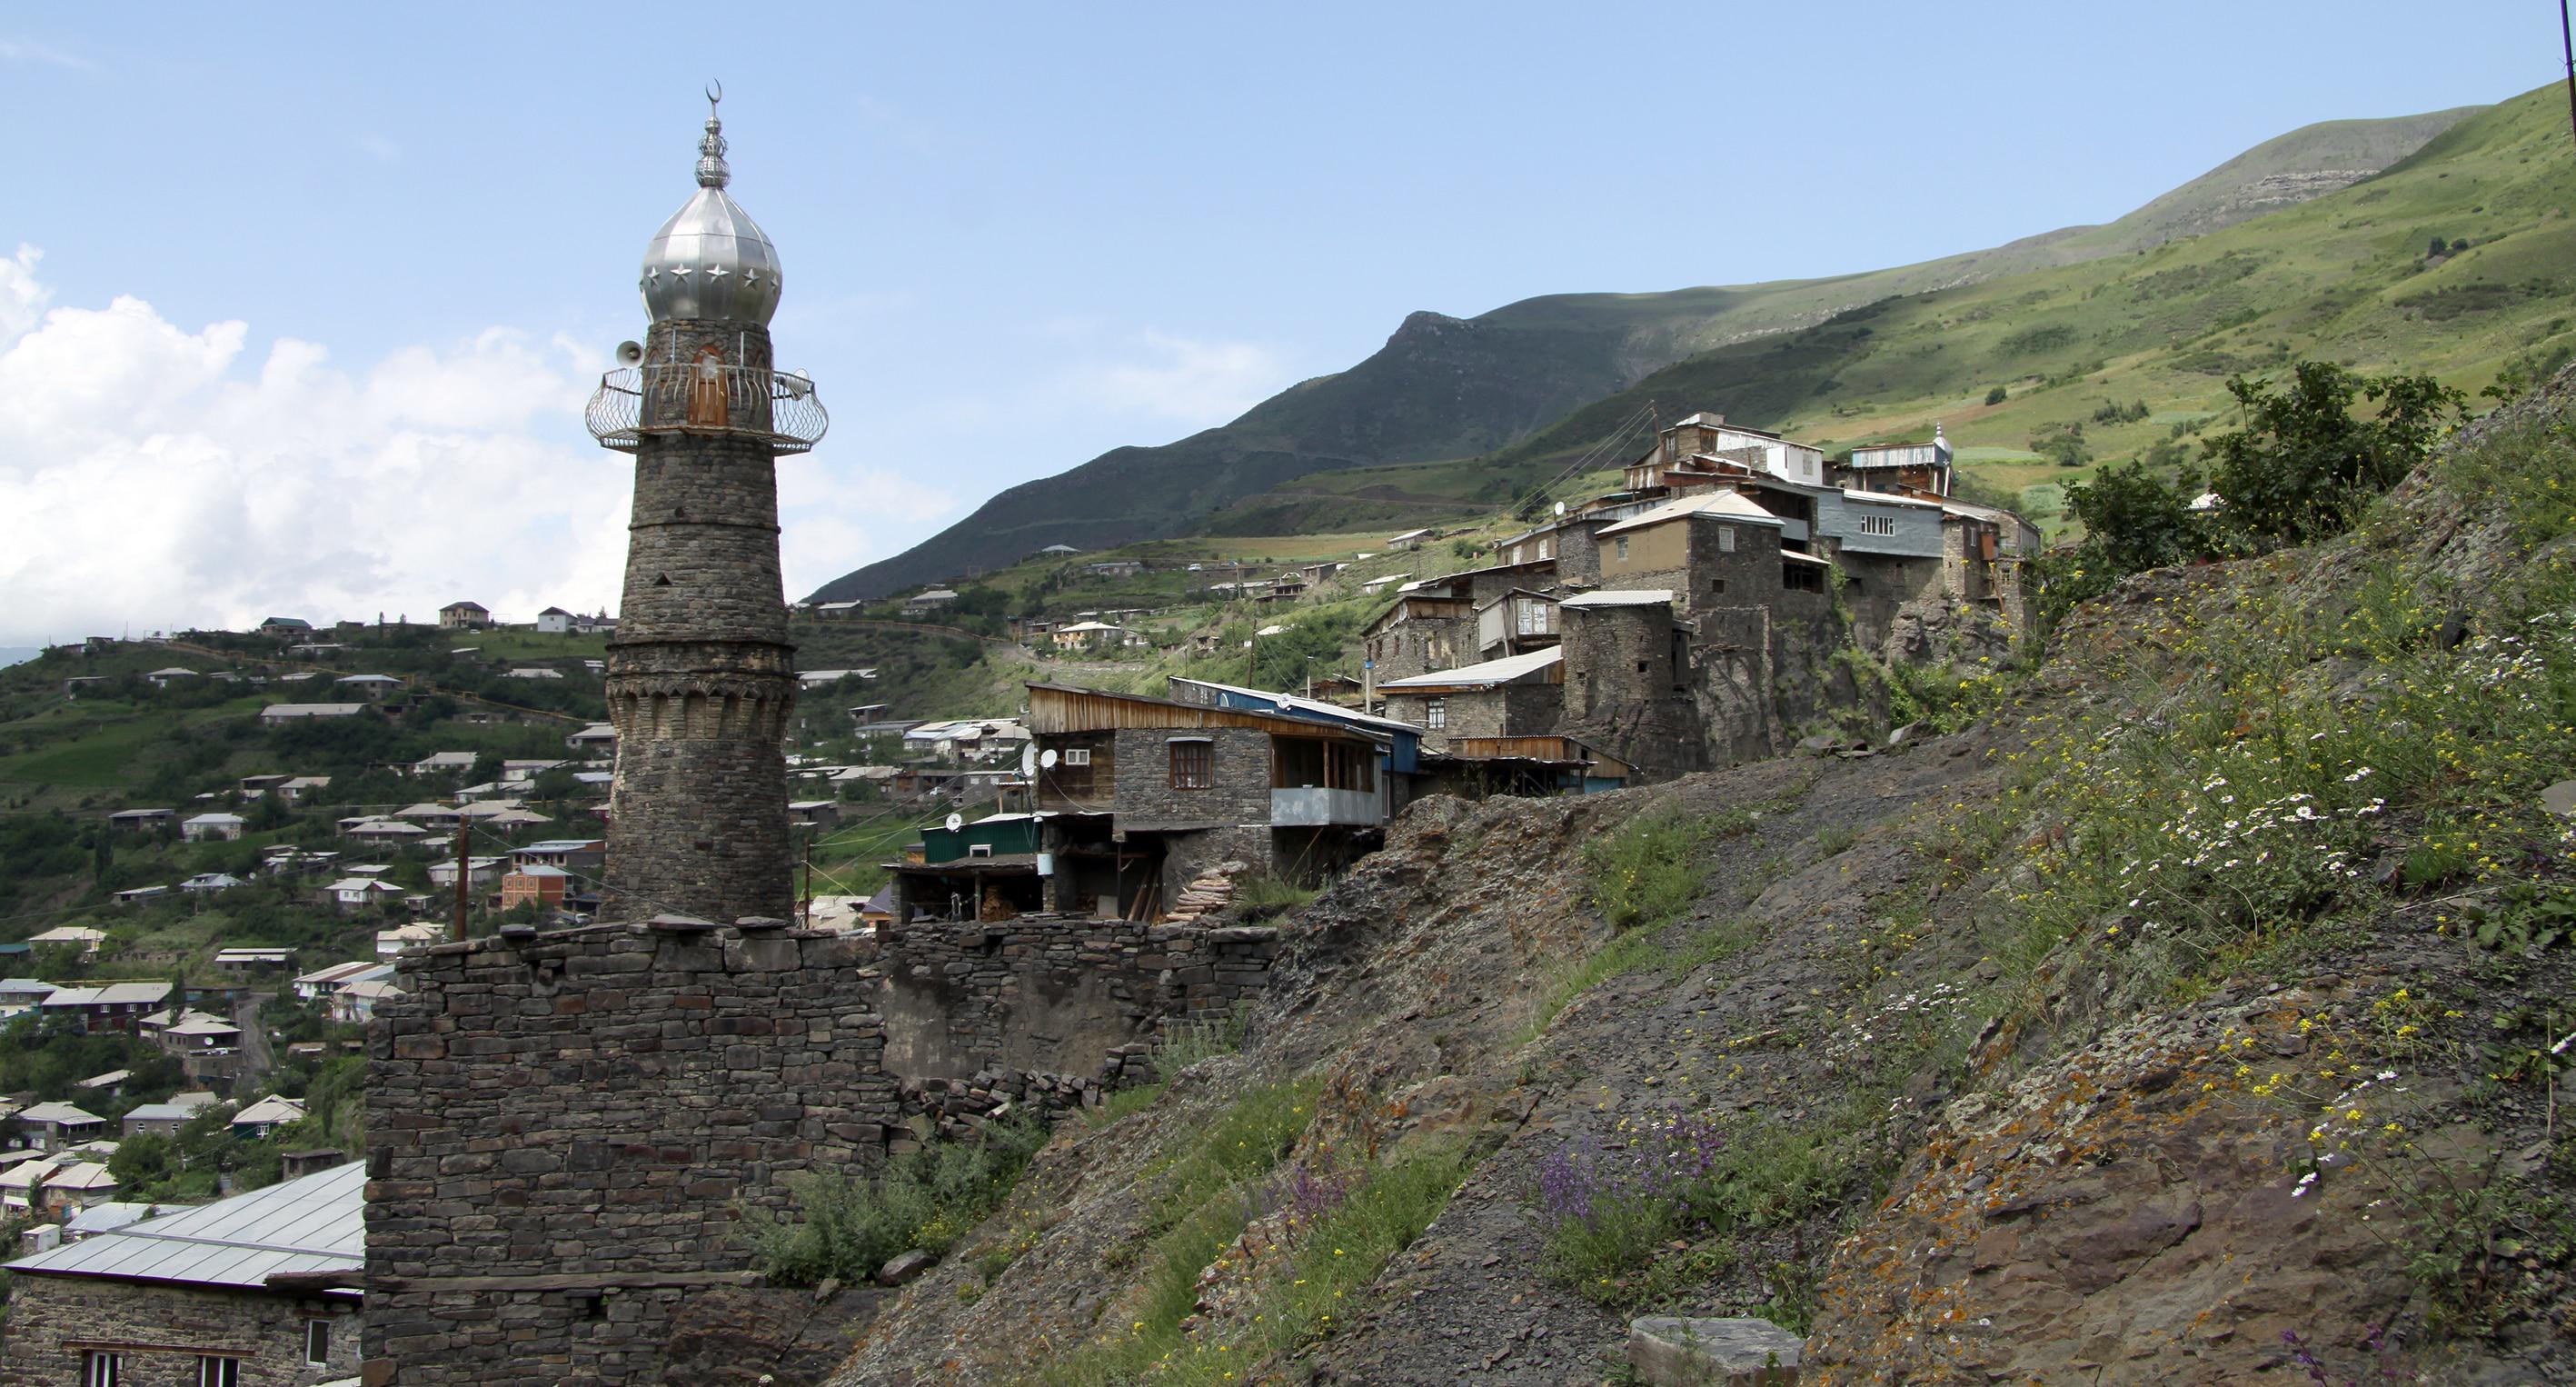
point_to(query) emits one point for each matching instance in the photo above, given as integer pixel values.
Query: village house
(464, 616)
(58, 1126)
(255, 786)
(814, 813)
(443, 763)
(205, 882)
(352, 894)
(259, 1288)
(1422, 632)
(596, 741)
(20, 994)
(374, 687)
(1515, 695)
(355, 1004)
(138, 895)
(107, 1007)
(205, 828)
(535, 884)
(390, 942)
(252, 957)
(139, 820)
(1704, 445)
(1136, 797)
(164, 678)
(579, 856)
(294, 627)
(1097, 635)
(277, 713)
(929, 600)
(1515, 623)
(554, 621)
(380, 831)
(165, 1119)
(80, 937)
(1115, 568)
(322, 982)
(1920, 469)
(266, 1116)
(73, 1186)
(479, 871)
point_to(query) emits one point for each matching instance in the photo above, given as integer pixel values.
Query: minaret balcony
(778, 408)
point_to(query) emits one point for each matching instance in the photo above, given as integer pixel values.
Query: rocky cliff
(2193, 1016)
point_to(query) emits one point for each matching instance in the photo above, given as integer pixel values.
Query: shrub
(1997, 395)
(924, 1199)
(2302, 466)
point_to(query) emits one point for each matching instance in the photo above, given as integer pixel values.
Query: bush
(924, 1199)
(1649, 870)
(1997, 395)
(2062, 444)
(2302, 466)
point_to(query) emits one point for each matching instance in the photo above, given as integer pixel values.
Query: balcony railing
(776, 407)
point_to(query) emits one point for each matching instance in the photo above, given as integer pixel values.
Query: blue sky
(1014, 235)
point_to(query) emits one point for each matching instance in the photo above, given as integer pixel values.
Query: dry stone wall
(565, 1127)
(162, 1334)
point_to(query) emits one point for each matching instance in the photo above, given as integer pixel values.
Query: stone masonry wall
(701, 678)
(1147, 801)
(160, 1332)
(564, 1126)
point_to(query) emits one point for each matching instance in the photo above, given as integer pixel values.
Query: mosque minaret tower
(701, 678)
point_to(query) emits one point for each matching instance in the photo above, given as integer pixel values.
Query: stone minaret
(700, 679)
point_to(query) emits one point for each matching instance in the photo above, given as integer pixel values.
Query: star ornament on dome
(680, 272)
(715, 271)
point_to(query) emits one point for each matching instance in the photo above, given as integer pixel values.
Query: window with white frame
(1077, 756)
(317, 1341)
(1878, 524)
(1726, 539)
(1435, 713)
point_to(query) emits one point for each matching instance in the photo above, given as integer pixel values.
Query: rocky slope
(2027, 1053)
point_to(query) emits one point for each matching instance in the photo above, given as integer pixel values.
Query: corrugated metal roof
(1491, 672)
(1621, 597)
(313, 1224)
(1725, 505)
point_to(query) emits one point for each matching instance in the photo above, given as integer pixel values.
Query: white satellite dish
(1028, 762)
(1047, 758)
(956, 822)
(1560, 510)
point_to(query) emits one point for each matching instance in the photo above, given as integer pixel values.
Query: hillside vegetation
(2195, 1015)
(1451, 388)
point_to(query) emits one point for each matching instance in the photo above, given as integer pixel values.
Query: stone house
(1709, 549)
(1704, 443)
(1919, 469)
(259, 1288)
(1423, 631)
(58, 1126)
(111, 1006)
(1143, 795)
(1515, 623)
(1631, 687)
(208, 828)
(1517, 695)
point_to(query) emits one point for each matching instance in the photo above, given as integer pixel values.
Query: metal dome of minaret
(711, 282)
(711, 262)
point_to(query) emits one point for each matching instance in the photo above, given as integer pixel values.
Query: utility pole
(464, 875)
(805, 908)
(2567, 41)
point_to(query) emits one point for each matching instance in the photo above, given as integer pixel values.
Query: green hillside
(2345, 277)
(1450, 388)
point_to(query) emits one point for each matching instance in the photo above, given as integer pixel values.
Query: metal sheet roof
(1722, 505)
(1502, 671)
(1621, 597)
(313, 1224)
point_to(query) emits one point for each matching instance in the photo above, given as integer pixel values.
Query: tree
(1997, 395)
(2135, 519)
(2062, 444)
(2302, 466)
(143, 1159)
(2436, 249)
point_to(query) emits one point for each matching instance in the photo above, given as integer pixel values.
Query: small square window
(1077, 756)
(1193, 765)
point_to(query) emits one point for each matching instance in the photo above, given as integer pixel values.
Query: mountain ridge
(1449, 387)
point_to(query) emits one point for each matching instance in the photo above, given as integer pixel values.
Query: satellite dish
(630, 353)
(1047, 758)
(1028, 762)
(1560, 510)
(956, 822)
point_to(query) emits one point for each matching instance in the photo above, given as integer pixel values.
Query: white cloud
(20, 51)
(154, 478)
(1196, 383)
(22, 298)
